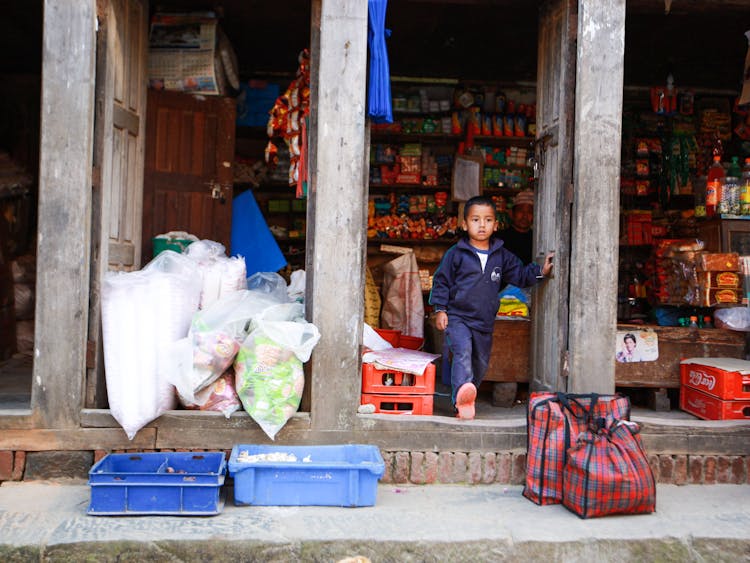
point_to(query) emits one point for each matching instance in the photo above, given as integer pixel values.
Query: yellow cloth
(512, 307)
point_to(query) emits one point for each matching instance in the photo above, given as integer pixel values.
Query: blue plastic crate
(179, 483)
(345, 475)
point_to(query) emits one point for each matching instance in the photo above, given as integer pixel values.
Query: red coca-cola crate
(725, 378)
(399, 404)
(391, 381)
(709, 407)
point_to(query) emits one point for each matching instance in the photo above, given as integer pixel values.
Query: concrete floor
(41, 521)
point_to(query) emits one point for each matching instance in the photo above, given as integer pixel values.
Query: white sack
(143, 314)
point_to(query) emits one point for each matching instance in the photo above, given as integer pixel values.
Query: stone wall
(418, 468)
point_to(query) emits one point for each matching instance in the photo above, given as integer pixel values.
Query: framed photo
(636, 346)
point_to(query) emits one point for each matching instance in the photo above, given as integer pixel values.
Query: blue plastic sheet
(252, 238)
(379, 107)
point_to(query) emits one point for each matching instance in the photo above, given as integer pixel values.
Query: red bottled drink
(714, 183)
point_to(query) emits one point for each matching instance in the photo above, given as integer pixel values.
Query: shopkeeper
(519, 238)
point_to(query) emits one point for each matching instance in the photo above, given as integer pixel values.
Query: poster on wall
(637, 346)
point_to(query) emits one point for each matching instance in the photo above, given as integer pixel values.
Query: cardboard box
(724, 378)
(711, 296)
(709, 407)
(720, 279)
(719, 262)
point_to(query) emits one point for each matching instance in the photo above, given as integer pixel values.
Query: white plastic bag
(733, 318)
(297, 286)
(269, 376)
(143, 314)
(270, 283)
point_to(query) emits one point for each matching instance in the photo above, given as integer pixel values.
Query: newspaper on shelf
(401, 359)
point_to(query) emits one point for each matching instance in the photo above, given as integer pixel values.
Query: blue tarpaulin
(252, 238)
(379, 107)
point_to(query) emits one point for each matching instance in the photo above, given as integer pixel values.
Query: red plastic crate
(725, 378)
(399, 404)
(376, 381)
(709, 407)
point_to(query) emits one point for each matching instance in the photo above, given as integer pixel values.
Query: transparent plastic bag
(214, 340)
(269, 376)
(733, 318)
(220, 396)
(143, 314)
(270, 283)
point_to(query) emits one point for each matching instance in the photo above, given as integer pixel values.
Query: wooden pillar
(337, 222)
(596, 178)
(67, 113)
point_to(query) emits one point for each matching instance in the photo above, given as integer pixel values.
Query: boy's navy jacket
(461, 288)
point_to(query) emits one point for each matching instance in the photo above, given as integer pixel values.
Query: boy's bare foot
(465, 397)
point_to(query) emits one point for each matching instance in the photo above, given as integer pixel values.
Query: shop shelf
(175, 483)
(336, 475)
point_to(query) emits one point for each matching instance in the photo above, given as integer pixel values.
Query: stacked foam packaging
(143, 314)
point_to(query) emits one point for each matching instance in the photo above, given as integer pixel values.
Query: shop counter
(510, 358)
(675, 344)
(509, 361)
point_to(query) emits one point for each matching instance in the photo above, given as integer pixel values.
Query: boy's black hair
(478, 200)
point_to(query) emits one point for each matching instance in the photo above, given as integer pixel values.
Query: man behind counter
(519, 238)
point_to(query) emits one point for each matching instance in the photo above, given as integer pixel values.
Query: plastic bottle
(714, 181)
(699, 194)
(707, 322)
(693, 322)
(734, 167)
(745, 189)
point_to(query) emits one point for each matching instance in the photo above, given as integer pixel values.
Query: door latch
(217, 191)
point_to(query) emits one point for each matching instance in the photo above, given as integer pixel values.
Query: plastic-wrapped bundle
(268, 369)
(143, 314)
(220, 396)
(221, 275)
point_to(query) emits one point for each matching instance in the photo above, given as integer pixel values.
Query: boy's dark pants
(471, 354)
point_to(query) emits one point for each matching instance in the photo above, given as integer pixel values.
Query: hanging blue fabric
(379, 107)
(252, 238)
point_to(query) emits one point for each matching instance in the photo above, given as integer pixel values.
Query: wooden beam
(596, 175)
(41, 440)
(67, 113)
(339, 198)
(196, 430)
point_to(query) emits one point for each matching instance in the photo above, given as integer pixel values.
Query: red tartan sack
(607, 472)
(553, 423)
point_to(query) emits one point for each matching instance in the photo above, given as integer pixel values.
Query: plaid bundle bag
(607, 472)
(553, 423)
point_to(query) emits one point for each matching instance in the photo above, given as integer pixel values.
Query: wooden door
(556, 74)
(119, 140)
(189, 155)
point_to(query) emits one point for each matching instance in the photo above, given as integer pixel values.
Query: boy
(465, 292)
